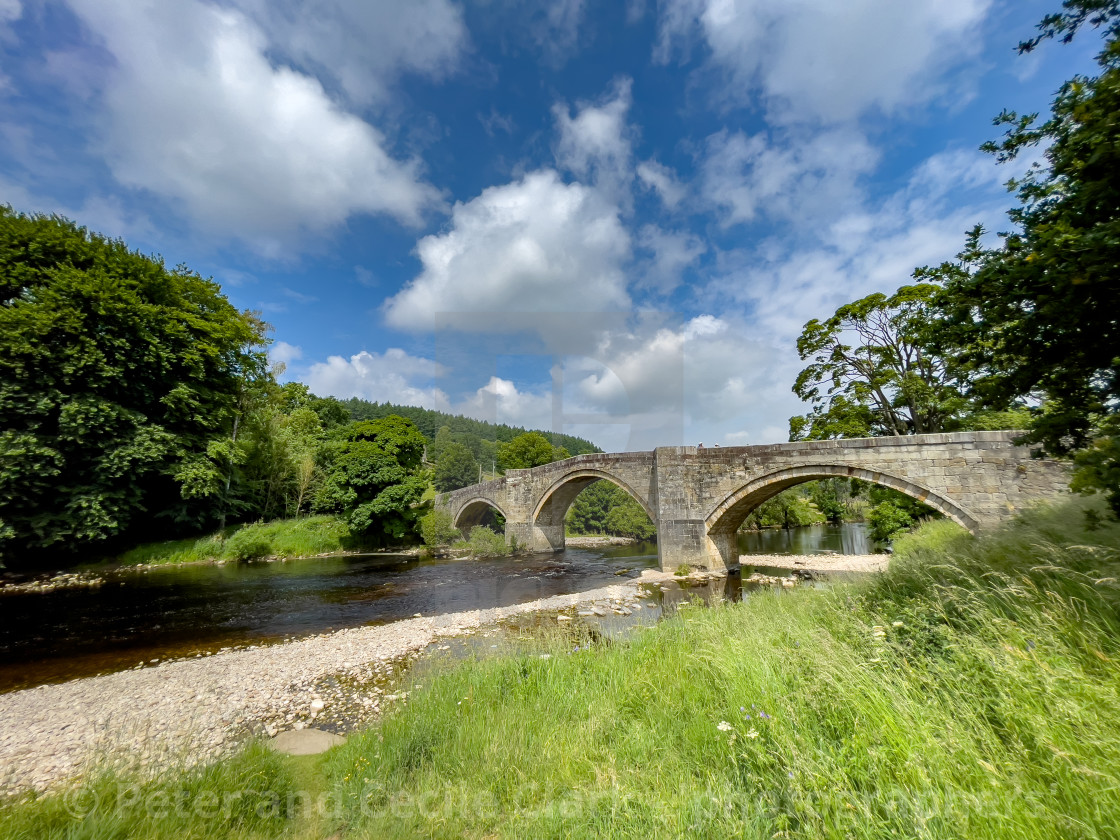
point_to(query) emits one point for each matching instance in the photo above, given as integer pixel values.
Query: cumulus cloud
(745, 176)
(392, 376)
(823, 60)
(365, 45)
(196, 113)
(500, 401)
(595, 144)
(281, 352)
(537, 245)
(702, 379)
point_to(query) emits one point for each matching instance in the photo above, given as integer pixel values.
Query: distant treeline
(474, 434)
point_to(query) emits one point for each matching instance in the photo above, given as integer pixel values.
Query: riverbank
(207, 705)
(597, 540)
(306, 536)
(819, 563)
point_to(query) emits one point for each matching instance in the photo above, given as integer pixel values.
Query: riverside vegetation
(971, 691)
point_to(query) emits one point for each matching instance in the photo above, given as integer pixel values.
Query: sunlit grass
(302, 537)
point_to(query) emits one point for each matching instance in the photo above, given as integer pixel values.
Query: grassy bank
(971, 692)
(305, 536)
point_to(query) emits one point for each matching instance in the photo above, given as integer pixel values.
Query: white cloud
(595, 144)
(281, 352)
(10, 10)
(536, 245)
(745, 176)
(380, 377)
(555, 27)
(663, 180)
(671, 253)
(823, 60)
(195, 112)
(365, 45)
(705, 378)
(500, 401)
(862, 250)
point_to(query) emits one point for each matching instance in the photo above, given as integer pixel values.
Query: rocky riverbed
(195, 709)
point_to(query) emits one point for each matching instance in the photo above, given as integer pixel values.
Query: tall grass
(971, 692)
(251, 795)
(301, 537)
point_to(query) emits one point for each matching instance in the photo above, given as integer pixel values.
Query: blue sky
(610, 219)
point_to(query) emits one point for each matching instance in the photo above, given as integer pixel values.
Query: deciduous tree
(116, 373)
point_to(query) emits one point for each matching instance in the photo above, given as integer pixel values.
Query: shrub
(436, 528)
(247, 544)
(485, 543)
(886, 520)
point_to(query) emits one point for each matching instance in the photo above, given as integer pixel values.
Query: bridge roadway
(697, 497)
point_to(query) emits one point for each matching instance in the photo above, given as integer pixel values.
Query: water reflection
(848, 538)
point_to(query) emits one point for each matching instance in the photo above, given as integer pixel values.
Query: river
(136, 617)
(848, 538)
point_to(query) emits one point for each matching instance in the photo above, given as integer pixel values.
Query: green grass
(300, 537)
(251, 795)
(971, 692)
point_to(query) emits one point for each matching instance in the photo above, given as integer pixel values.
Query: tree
(1040, 317)
(531, 449)
(116, 376)
(455, 468)
(605, 508)
(873, 370)
(374, 478)
(627, 518)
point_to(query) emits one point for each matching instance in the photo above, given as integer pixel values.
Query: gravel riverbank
(820, 562)
(194, 709)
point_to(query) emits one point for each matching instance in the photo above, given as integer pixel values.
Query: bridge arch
(473, 511)
(551, 507)
(725, 519)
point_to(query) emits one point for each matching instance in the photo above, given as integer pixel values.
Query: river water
(138, 616)
(848, 538)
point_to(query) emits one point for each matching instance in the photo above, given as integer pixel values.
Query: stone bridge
(698, 497)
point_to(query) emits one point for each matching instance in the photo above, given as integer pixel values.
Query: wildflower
(897, 624)
(764, 716)
(878, 631)
(753, 733)
(724, 726)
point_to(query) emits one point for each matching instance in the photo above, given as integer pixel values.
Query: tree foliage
(116, 376)
(531, 449)
(605, 508)
(1039, 316)
(455, 468)
(873, 372)
(374, 479)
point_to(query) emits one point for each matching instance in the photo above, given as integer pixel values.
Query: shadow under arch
(548, 515)
(474, 512)
(722, 523)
